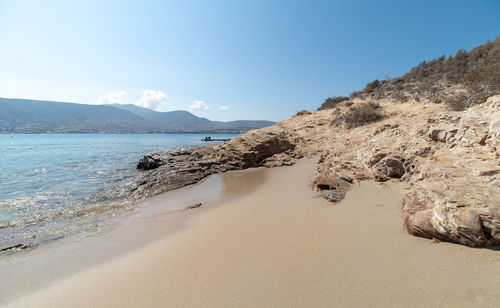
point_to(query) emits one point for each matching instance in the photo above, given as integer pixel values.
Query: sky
(225, 60)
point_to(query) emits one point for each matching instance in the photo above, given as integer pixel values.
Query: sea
(56, 185)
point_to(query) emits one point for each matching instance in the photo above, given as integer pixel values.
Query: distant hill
(181, 119)
(460, 81)
(172, 120)
(32, 116)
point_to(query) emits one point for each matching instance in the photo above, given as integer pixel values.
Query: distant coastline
(46, 117)
(126, 133)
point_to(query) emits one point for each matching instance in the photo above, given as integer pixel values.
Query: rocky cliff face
(455, 194)
(450, 159)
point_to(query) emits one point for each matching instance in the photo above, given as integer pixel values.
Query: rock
(375, 157)
(346, 178)
(278, 160)
(465, 213)
(388, 167)
(336, 186)
(16, 247)
(194, 206)
(423, 152)
(334, 196)
(455, 194)
(150, 161)
(442, 135)
(179, 167)
(382, 128)
(437, 134)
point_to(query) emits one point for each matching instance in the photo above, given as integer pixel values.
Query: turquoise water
(55, 185)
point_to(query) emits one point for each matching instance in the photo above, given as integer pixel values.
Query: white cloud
(198, 106)
(152, 99)
(223, 107)
(111, 98)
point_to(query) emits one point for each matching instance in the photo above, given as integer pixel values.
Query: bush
(355, 94)
(372, 86)
(359, 115)
(462, 101)
(457, 102)
(302, 113)
(332, 102)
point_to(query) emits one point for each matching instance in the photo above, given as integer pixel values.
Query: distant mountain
(174, 120)
(180, 119)
(31, 116)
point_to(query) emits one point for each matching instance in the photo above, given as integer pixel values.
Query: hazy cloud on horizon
(153, 99)
(198, 105)
(111, 98)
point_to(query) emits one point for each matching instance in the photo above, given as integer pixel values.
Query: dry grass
(359, 115)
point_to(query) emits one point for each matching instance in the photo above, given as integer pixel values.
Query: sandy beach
(249, 154)
(274, 243)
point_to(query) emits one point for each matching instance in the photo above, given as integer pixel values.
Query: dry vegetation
(459, 81)
(359, 115)
(332, 102)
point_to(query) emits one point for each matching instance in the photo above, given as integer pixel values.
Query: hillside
(31, 116)
(459, 81)
(27, 116)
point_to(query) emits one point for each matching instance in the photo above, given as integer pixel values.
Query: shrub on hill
(332, 102)
(359, 115)
(460, 81)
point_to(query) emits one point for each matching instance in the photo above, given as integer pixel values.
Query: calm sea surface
(54, 185)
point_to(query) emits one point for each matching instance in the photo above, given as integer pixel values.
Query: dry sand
(281, 245)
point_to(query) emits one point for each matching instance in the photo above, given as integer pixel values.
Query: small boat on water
(214, 139)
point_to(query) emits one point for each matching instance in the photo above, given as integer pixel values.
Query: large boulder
(458, 209)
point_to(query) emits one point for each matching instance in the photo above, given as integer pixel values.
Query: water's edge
(55, 186)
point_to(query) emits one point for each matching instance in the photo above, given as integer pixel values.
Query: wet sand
(278, 244)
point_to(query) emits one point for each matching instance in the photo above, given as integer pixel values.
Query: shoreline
(48, 196)
(277, 243)
(151, 219)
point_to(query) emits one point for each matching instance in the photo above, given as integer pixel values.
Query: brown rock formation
(179, 167)
(451, 160)
(455, 196)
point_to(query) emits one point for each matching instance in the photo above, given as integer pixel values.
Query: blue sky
(225, 60)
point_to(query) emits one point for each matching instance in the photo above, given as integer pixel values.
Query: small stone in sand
(194, 206)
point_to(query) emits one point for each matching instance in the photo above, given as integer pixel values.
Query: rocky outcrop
(156, 159)
(450, 159)
(450, 206)
(455, 195)
(179, 167)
